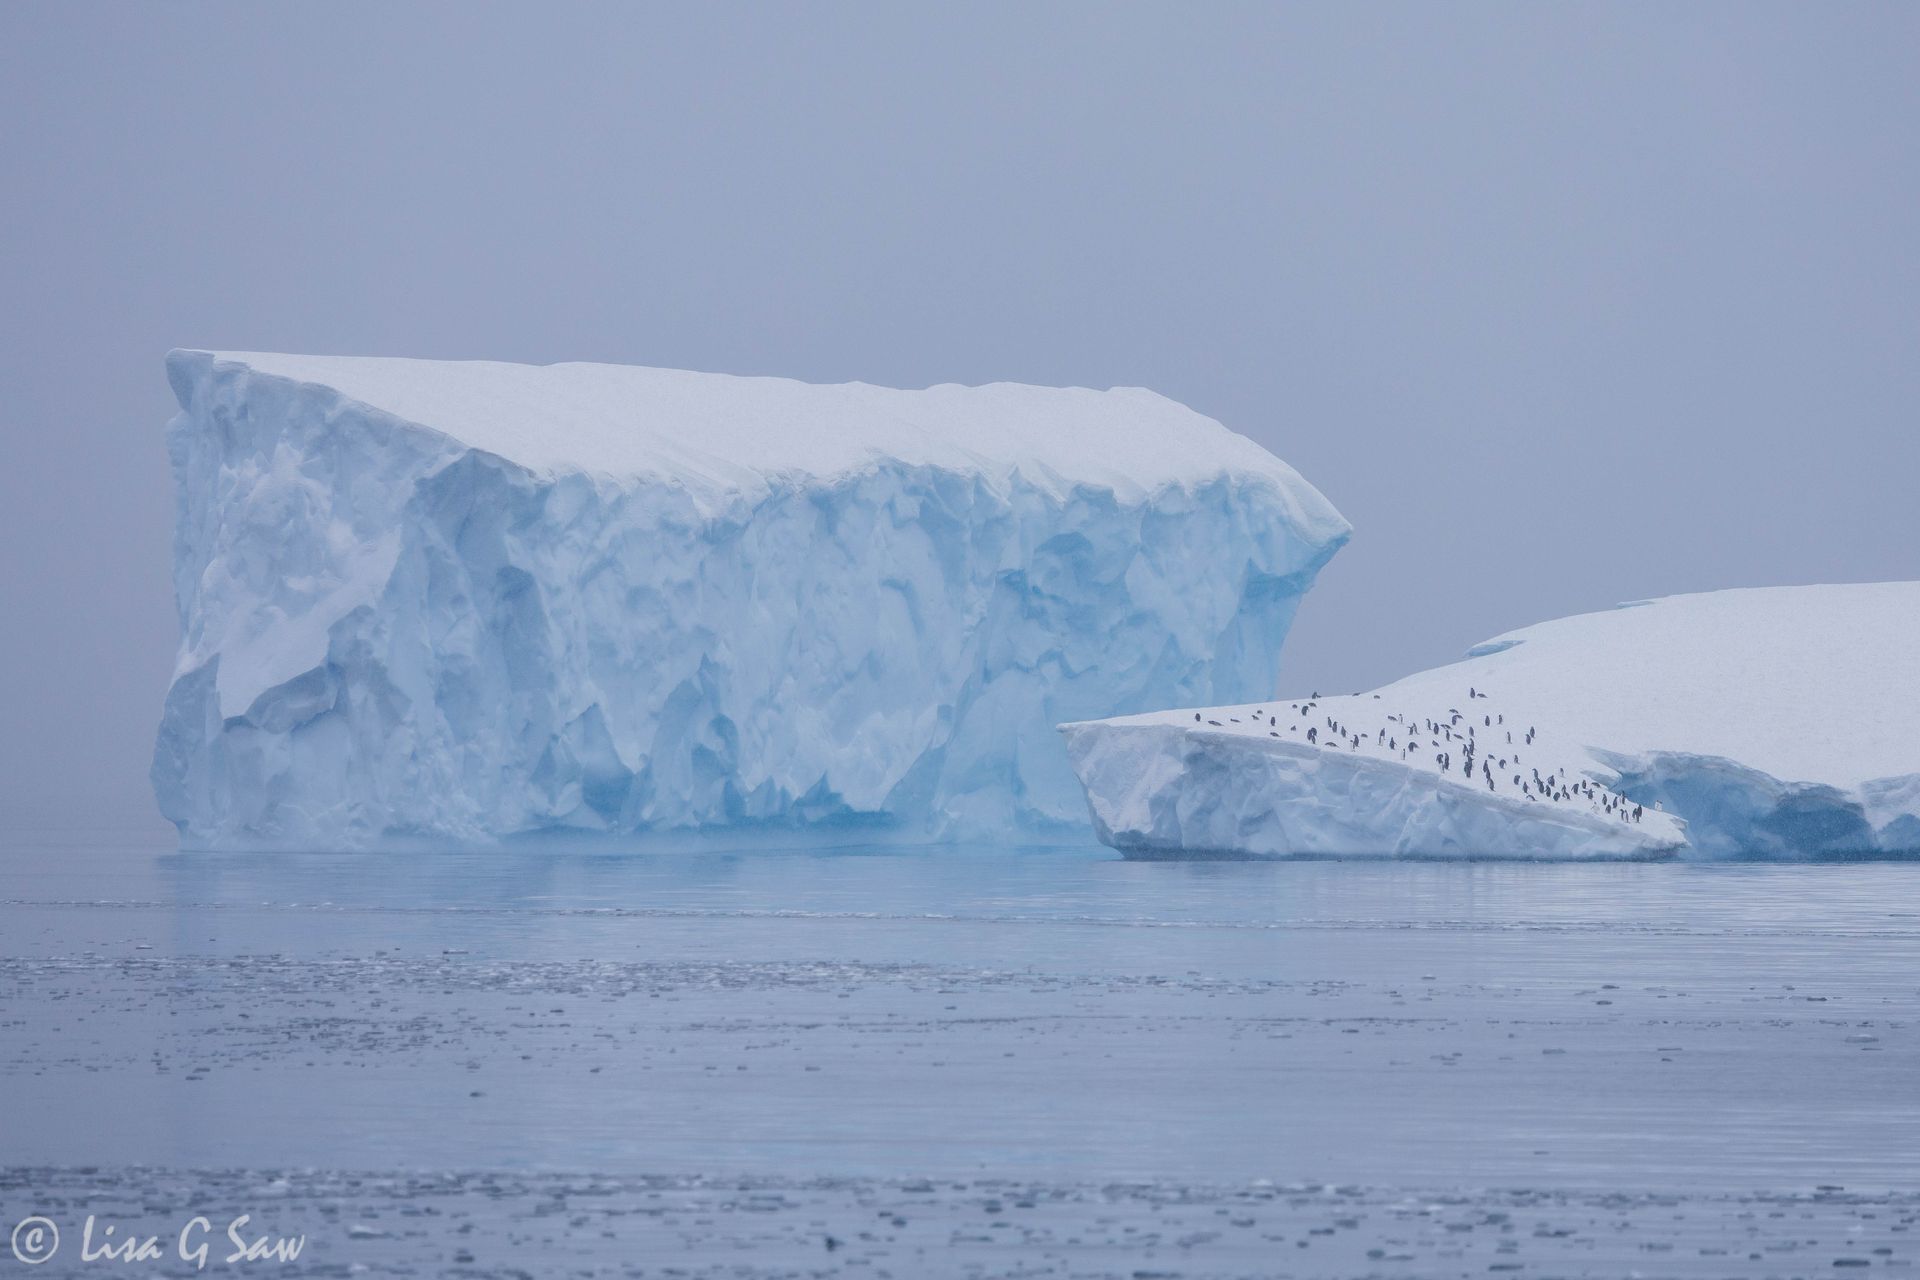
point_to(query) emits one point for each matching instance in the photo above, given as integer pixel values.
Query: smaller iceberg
(1357, 776)
(1773, 723)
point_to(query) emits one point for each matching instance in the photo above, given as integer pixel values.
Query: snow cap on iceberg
(1813, 684)
(721, 434)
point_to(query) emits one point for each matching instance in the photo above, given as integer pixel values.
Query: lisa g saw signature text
(36, 1240)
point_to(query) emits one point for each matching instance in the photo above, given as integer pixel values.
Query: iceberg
(466, 602)
(1774, 723)
(1357, 776)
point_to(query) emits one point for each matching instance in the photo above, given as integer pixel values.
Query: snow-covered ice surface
(439, 601)
(1780, 722)
(1776, 722)
(964, 1063)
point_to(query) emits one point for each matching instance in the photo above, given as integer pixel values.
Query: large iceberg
(468, 602)
(1776, 722)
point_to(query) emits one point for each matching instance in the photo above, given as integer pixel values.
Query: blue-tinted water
(1050, 1013)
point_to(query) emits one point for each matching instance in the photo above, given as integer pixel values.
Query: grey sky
(1560, 304)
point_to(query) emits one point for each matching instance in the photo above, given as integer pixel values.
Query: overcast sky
(1561, 304)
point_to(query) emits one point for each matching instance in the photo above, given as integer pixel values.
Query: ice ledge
(719, 435)
(1163, 790)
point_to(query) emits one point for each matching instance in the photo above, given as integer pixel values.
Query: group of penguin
(1456, 746)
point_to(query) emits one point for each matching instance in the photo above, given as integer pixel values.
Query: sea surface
(967, 1061)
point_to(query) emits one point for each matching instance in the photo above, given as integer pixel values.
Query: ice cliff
(1775, 722)
(468, 602)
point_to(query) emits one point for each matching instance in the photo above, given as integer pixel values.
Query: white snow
(1777, 722)
(718, 434)
(439, 601)
(1809, 684)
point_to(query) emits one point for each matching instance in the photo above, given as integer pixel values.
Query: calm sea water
(1059, 1014)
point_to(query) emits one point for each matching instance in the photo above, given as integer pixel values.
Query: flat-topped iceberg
(467, 602)
(1775, 722)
